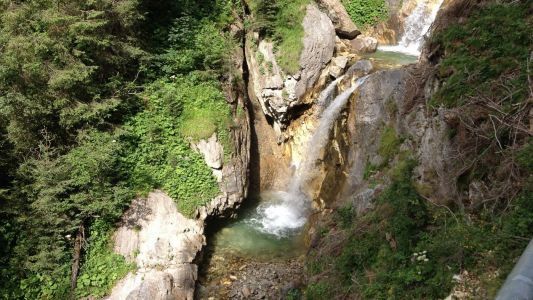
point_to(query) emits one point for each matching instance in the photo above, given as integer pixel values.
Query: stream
(260, 254)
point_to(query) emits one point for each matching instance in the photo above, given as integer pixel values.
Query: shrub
(365, 13)
(184, 110)
(318, 291)
(282, 21)
(389, 144)
(492, 62)
(102, 267)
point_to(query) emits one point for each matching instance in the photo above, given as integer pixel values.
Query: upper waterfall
(416, 27)
(289, 210)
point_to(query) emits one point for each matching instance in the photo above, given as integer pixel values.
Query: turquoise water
(245, 237)
(389, 59)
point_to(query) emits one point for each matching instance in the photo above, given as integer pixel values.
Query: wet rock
(257, 280)
(360, 68)
(337, 66)
(344, 25)
(364, 44)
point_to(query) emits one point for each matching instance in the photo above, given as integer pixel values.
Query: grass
(378, 258)
(377, 255)
(289, 33)
(282, 20)
(389, 144)
(318, 291)
(486, 57)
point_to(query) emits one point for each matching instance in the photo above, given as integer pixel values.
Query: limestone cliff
(164, 244)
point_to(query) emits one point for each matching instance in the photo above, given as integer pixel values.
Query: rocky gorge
(251, 149)
(385, 119)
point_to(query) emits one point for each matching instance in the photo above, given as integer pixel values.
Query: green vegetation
(389, 147)
(160, 156)
(318, 291)
(102, 104)
(366, 13)
(282, 20)
(488, 57)
(102, 267)
(389, 144)
(407, 248)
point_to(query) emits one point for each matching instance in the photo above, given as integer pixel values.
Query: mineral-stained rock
(337, 66)
(360, 68)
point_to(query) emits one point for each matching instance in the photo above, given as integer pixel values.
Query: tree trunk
(76, 259)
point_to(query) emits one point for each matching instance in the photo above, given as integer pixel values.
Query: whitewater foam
(287, 212)
(416, 26)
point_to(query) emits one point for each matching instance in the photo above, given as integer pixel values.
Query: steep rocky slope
(428, 193)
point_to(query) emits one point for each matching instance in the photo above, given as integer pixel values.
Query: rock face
(278, 92)
(213, 153)
(344, 25)
(319, 43)
(382, 100)
(360, 68)
(363, 44)
(338, 65)
(163, 244)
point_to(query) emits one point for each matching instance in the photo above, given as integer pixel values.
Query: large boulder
(344, 26)
(278, 92)
(364, 44)
(213, 153)
(163, 244)
(360, 68)
(319, 44)
(338, 64)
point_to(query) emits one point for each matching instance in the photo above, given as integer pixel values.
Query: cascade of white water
(289, 210)
(325, 95)
(416, 27)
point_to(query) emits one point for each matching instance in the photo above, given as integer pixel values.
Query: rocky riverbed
(241, 278)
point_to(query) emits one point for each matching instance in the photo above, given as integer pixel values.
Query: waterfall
(416, 26)
(288, 210)
(325, 95)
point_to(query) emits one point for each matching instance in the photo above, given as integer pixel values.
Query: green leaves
(365, 13)
(281, 20)
(102, 267)
(178, 112)
(71, 52)
(486, 57)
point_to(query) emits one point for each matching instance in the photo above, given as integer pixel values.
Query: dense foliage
(406, 248)
(100, 101)
(488, 57)
(178, 111)
(102, 267)
(365, 13)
